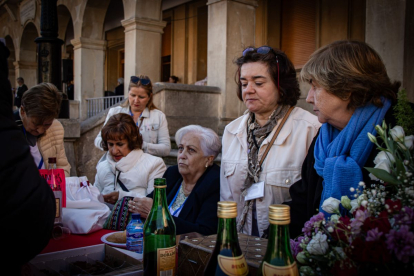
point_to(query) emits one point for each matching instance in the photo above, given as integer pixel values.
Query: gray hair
(121, 80)
(209, 141)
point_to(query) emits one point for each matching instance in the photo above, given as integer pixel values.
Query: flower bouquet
(373, 232)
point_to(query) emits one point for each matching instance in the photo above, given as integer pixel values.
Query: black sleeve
(305, 193)
(206, 221)
(28, 205)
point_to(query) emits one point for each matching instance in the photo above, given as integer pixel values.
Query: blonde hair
(147, 88)
(350, 70)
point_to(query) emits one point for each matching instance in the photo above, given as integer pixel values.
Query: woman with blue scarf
(350, 93)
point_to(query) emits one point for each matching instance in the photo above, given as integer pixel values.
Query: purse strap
(120, 182)
(279, 128)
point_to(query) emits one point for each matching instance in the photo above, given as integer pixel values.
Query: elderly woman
(196, 179)
(263, 150)
(350, 93)
(127, 171)
(151, 121)
(37, 118)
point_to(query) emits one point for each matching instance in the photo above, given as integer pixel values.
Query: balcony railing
(97, 105)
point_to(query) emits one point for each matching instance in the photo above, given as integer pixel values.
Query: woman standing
(151, 121)
(250, 175)
(350, 93)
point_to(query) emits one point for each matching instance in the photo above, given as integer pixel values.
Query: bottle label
(272, 270)
(166, 260)
(233, 266)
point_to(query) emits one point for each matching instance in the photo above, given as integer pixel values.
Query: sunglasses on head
(143, 81)
(261, 50)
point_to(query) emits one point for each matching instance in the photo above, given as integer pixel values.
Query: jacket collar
(126, 163)
(145, 113)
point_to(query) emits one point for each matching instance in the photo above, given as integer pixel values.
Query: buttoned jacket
(154, 130)
(280, 169)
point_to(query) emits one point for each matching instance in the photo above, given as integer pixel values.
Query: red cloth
(75, 241)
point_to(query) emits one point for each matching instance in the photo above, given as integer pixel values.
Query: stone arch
(93, 19)
(26, 65)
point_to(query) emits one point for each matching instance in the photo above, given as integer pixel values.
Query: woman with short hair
(127, 170)
(193, 186)
(258, 163)
(37, 118)
(151, 121)
(351, 93)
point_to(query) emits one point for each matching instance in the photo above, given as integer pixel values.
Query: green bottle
(227, 257)
(278, 259)
(160, 256)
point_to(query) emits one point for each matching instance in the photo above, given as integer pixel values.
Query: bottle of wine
(57, 191)
(160, 256)
(278, 259)
(227, 257)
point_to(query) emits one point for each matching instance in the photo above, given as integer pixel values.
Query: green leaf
(384, 175)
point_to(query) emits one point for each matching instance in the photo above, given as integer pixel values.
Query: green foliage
(404, 113)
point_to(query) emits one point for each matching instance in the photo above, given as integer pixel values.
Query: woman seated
(44, 134)
(151, 121)
(350, 93)
(196, 179)
(127, 170)
(268, 86)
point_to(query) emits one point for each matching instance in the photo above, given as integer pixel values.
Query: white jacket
(138, 170)
(280, 169)
(154, 131)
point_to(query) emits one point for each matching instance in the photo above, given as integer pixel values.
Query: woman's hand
(141, 206)
(111, 197)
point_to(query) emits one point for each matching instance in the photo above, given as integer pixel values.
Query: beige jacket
(280, 169)
(51, 145)
(154, 131)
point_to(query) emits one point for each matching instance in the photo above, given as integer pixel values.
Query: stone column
(142, 48)
(231, 28)
(88, 71)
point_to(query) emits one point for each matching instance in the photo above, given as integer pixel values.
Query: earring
(206, 165)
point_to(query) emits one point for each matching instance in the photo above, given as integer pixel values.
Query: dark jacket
(306, 193)
(27, 205)
(199, 213)
(19, 93)
(119, 90)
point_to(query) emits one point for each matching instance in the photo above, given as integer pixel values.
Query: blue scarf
(340, 155)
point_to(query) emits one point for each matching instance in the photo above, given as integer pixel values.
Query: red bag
(59, 175)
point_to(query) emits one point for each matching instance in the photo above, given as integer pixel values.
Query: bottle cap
(279, 214)
(160, 183)
(226, 209)
(52, 160)
(136, 216)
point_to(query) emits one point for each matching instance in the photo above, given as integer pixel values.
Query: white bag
(85, 210)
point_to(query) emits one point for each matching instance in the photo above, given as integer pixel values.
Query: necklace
(185, 190)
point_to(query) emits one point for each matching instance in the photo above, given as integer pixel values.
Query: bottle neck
(52, 166)
(279, 238)
(227, 230)
(160, 197)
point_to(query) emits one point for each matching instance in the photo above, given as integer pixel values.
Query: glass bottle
(227, 257)
(160, 256)
(56, 190)
(278, 259)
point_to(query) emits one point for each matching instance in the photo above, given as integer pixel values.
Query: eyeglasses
(263, 50)
(143, 81)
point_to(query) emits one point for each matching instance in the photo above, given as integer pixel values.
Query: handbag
(120, 216)
(85, 210)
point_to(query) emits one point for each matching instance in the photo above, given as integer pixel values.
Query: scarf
(340, 155)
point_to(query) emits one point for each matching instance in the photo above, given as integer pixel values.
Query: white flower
(408, 141)
(330, 229)
(318, 245)
(335, 218)
(346, 202)
(384, 156)
(397, 133)
(383, 165)
(331, 205)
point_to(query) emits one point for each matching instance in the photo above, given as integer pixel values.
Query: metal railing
(97, 105)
